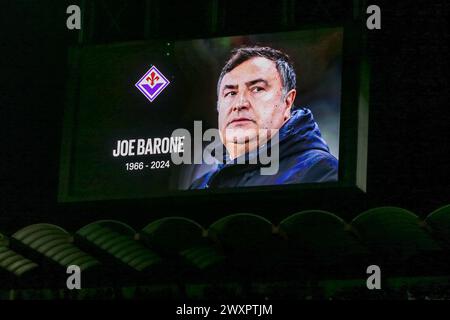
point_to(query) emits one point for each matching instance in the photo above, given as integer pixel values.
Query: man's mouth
(241, 120)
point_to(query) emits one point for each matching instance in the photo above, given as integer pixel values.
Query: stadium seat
(439, 223)
(172, 235)
(183, 245)
(242, 231)
(248, 242)
(323, 239)
(115, 242)
(13, 266)
(396, 237)
(55, 244)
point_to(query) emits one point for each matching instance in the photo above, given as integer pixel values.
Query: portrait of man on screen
(256, 91)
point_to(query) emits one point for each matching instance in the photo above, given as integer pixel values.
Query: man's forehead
(254, 68)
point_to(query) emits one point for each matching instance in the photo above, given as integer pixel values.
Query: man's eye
(257, 89)
(230, 93)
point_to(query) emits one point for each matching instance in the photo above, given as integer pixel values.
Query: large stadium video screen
(156, 118)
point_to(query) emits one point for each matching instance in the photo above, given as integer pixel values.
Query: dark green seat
(117, 241)
(439, 223)
(183, 244)
(248, 243)
(12, 264)
(322, 239)
(395, 236)
(242, 232)
(55, 244)
(173, 234)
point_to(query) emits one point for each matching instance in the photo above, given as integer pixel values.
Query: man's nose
(241, 103)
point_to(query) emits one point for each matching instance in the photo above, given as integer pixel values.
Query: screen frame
(353, 137)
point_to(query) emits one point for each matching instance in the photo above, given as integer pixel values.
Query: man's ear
(289, 101)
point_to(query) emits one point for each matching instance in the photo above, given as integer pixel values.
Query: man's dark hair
(282, 62)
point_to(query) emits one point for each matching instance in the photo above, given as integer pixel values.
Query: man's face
(250, 101)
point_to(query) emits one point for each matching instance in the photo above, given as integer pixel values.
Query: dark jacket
(304, 157)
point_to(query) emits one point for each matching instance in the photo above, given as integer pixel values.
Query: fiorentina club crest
(152, 83)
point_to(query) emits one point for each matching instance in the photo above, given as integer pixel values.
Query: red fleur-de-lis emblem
(153, 77)
(152, 83)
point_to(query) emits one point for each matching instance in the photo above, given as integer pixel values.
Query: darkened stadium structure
(274, 245)
(309, 255)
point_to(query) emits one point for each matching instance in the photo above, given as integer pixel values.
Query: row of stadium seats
(247, 248)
